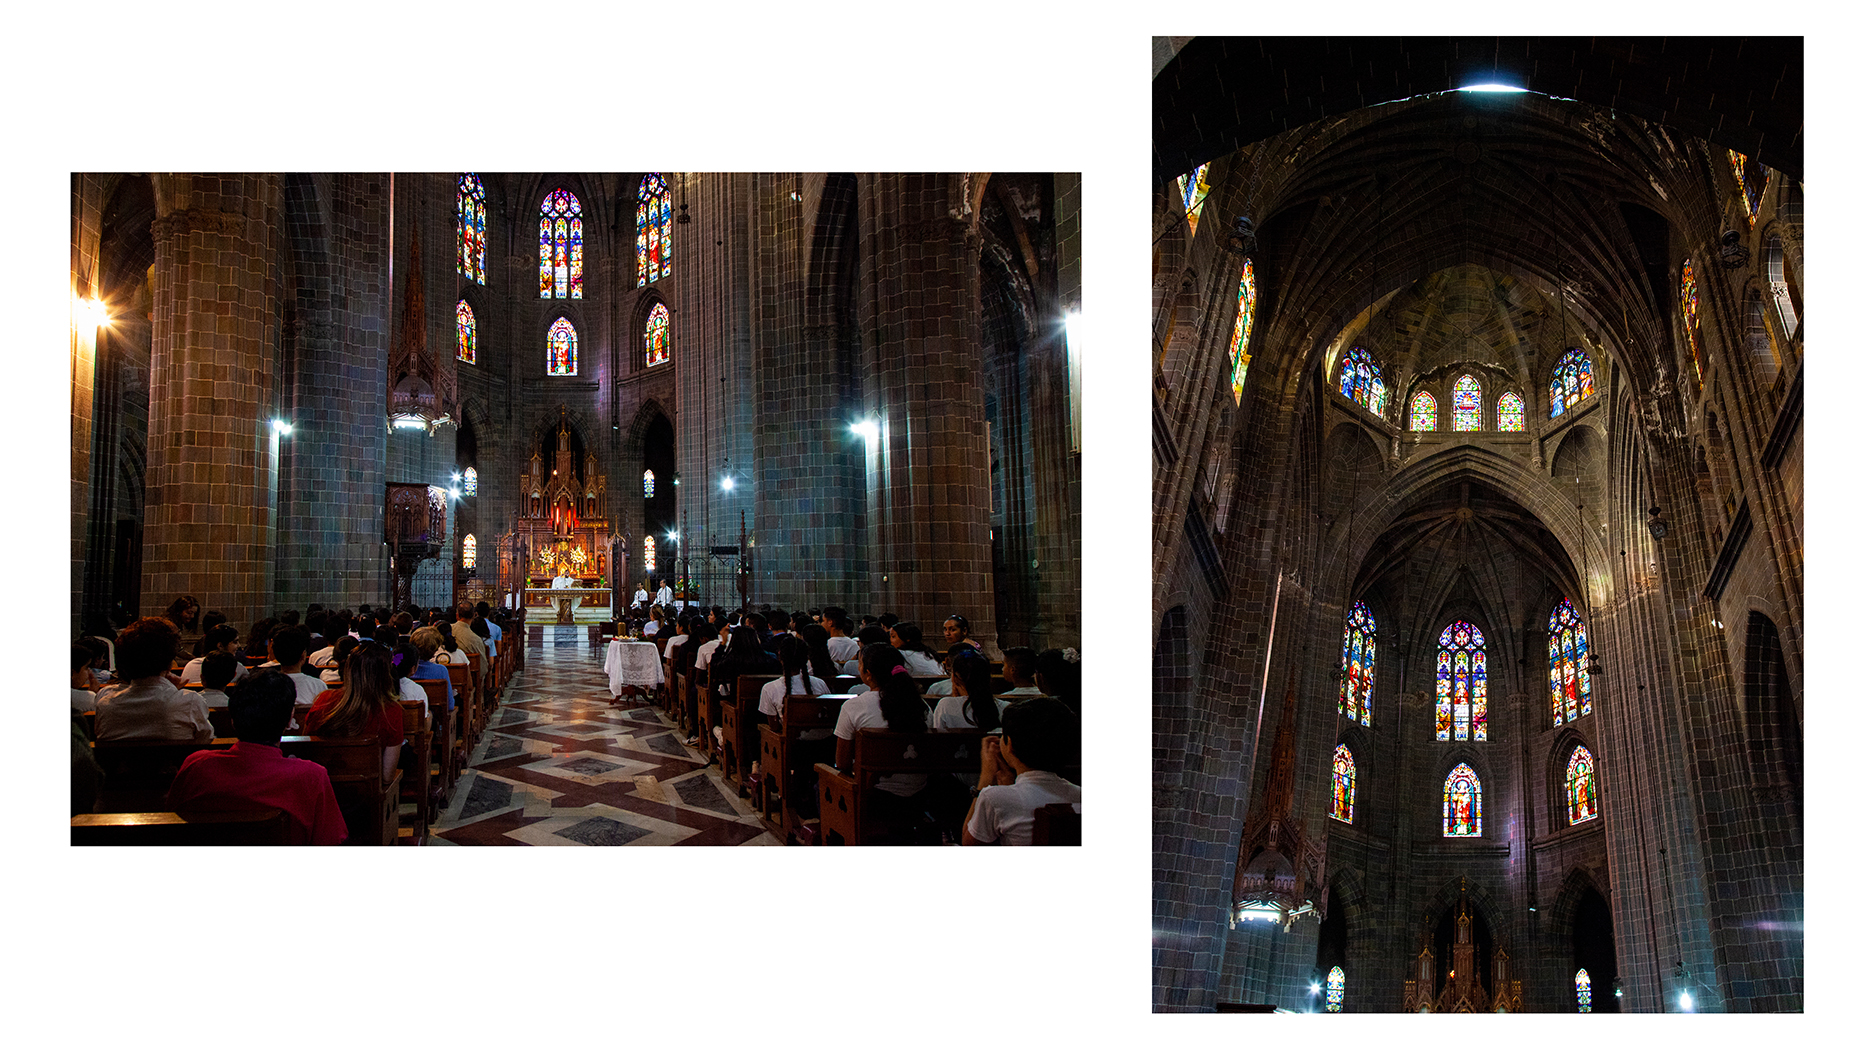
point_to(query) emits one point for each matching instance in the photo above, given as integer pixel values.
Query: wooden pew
(465, 706)
(876, 752)
(264, 826)
(1056, 824)
(137, 774)
(443, 721)
(786, 780)
(739, 740)
(484, 697)
(368, 803)
(416, 759)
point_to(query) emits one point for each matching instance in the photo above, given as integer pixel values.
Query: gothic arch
(1553, 777)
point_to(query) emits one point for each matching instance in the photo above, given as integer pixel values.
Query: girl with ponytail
(894, 702)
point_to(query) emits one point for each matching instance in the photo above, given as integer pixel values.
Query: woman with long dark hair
(907, 639)
(973, 704)
(365, 705)
(818, 655)
(895, 703)
(793, 679)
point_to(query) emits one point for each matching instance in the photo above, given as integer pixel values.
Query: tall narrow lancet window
(470, 481)
(1466, 408)
(656, 336)
(464, 332)
(561, 348)
(653, 223)
(1355, 664)
(471, 228)
(1462, 803)
(1752, 180)
(1568, 684)
(1195, 189)
(1359, 380)
(1335, 989)
(468, 550)
(1582, 990)
(649, 484)
(1572, 381)
(1582, 792)
(1423, 411)
(649, 553)
(562, 247)
(1244, 327)
(1462, 683)
(1344, 781)
(1691, 326)
(1510, 413)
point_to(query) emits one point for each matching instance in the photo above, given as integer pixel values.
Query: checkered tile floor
(561, 765)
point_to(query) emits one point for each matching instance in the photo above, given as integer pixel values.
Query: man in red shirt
(253, 772)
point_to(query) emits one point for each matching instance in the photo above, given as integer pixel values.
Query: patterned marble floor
(561, 765)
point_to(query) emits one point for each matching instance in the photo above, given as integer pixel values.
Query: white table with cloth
(632, 663)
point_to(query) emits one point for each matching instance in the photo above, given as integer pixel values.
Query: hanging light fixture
(1657, 526)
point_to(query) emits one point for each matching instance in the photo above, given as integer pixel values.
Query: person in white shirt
(973, 704)
(219, 639)
(664, 594)
(907, 638)
(794, 681)
(146, 704)
(868, 636)
(704, 653)
(641, 597)
(1017, 667)
(843, 647)
(895, 703)
(494, 630)
(1021, 771)
(83, 682)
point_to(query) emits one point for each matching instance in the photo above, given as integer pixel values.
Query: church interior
(546, 391)
(1476, 530)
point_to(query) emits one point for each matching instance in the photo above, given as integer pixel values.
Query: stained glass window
(1582, 988)
(1568, 684)
(649, 553)
(1751, 179)
(1423, 411)
(1344, 780)
(1359, 379)
(656, 336)
(1690, 324)
(562, 247)
(471, 228)
(1572, 381)
(468, 551)
(470, 481)
(649, 484)
(1355, 664)
(1462, 803)
(1466, 409)
(561, 348)
(1335, 989)
(1462, 683)
(1195, 189)
(464, 332)
(1510, 413)
(653, 229)
(1582, 792)
(1244, 327)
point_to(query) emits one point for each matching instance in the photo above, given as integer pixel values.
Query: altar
(574, 604)
(560, 559)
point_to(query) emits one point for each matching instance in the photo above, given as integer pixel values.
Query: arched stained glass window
(1423, 411)
(470, 481)
(1462, 803)
(1244, 327)
(1582, 989)
(1195, 189)
(1355, 664)
(649, 484)
(656, 336)
(653, 229)
(1344, 781)
(1691, 325)
(1510, 413)
(1462, 683)
(1572, 381)
(1568, 684)
(1751, 179)
(464, 332)
(649, 553)
(468, 550)
(561, 348)
(1466, 409)
(562, 247)
(1359, 379)
(1582, 790)
(1335, 989)
(471, 228)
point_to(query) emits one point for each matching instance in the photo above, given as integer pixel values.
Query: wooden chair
(876, 753)
(264, 826)
(443, 722)
(368, 803)
(137, 774)
(416, 759)
(1056, 824)
(787, 760)
(739, 738)
(465, 706)
(484, 697)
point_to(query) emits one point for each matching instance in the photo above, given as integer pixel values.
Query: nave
(560, 764)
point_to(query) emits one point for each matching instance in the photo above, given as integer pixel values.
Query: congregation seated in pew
(147, 703)
(253, 772)
(1022, 770)
(365, 705)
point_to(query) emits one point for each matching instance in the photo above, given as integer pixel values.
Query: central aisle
(560, 765)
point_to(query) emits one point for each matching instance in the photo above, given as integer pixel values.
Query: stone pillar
(926, 475)
(87, 199)
(213, 456)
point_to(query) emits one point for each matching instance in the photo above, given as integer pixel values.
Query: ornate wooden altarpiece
(1463, 991)
(563, 529)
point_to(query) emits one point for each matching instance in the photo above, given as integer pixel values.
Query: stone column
(213, 456)
(926, 475)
